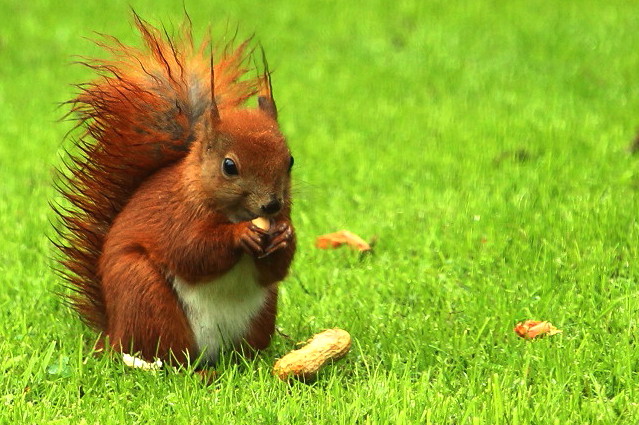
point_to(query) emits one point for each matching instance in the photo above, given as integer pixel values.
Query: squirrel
(157, 244)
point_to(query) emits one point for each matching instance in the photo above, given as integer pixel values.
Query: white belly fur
(220, 311)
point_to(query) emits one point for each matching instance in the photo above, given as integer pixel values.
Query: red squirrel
(157, 245)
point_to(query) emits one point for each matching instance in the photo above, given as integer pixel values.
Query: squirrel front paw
(279, 237)
(261, 243)
(252, 240)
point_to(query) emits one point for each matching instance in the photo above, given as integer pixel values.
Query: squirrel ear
(265, 99)
(268, 105)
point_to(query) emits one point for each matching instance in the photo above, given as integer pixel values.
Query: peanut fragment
(303, 364)
(530, 329)
(138, 363)
(343, 237)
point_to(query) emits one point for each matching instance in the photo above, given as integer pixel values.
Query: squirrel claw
(251, 243)
(279, 239)
(279, 229)
(253, 228)
(272, 248)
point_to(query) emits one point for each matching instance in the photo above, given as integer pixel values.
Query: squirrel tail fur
(139, 116)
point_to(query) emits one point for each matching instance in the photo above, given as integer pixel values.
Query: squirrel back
(140, 116)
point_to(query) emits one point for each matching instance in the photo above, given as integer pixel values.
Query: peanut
(303, 364)
(262, 223)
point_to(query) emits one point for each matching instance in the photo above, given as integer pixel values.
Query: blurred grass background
(484, 144)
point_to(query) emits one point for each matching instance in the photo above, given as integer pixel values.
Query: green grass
(483, 143)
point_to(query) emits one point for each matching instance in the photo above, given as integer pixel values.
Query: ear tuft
(215, 113)
(265, 99)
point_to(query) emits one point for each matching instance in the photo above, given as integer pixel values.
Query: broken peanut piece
(343, 237)
(530, 329)
(303, 364)
(262, 223)
(138, 363)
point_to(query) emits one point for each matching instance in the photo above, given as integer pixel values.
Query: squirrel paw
(279, 237)
(252, 240)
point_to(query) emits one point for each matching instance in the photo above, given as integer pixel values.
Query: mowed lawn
(484, 145)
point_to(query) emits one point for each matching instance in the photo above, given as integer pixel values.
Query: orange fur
(150, 202)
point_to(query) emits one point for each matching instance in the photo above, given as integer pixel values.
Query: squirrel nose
(272, 207)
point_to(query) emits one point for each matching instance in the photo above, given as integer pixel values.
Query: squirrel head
(242, 165)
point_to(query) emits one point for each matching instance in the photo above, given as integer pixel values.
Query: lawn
(483, 144)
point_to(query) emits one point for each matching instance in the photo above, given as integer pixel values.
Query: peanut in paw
(262, 223)
(303, 364)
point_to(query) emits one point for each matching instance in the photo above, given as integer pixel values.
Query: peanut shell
(303, 364)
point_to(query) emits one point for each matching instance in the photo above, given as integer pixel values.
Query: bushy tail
(139, 116)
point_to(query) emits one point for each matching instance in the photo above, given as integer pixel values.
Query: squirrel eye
(229, 168)
(290, 165)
